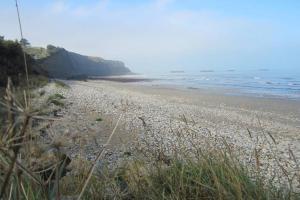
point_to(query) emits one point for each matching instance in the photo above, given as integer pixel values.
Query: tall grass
(18, 177)
(213, 175)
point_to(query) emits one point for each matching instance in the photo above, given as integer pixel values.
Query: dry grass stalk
(98, 158)
(16, 148)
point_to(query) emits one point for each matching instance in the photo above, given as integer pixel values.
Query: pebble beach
(168, 117)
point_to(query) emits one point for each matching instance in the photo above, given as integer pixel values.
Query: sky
(162, 35)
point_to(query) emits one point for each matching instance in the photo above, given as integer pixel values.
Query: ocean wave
(207, 71)
(294, 84)
(256, 83)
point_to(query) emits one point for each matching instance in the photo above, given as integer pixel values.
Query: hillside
(60, 63)
(12, 63)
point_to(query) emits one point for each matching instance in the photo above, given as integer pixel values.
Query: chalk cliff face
(60, 63)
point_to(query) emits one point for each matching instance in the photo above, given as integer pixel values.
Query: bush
(99, 119)
(56, 99)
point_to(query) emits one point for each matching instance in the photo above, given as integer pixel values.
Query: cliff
(60, 63)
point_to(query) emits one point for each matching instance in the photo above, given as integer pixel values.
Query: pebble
(163, 124)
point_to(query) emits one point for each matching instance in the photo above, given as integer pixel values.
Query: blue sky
(161, 35)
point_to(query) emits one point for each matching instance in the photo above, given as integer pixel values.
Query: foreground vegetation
(12, 63)
(144, 174)
(212, 176)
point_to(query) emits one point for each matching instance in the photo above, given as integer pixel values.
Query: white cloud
(92, 9)
(161, 4)
(59, 6)
(80, 10)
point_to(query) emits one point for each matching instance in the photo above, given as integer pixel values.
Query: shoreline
(229, 91)
(223, 91)
(120, 79)
(216, 95)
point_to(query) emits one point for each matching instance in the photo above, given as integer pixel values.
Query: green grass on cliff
(37, 52)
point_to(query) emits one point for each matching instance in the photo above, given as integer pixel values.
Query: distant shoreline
(121, 79)
(228, 91)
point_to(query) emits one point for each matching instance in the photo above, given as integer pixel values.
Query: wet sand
(282, 116)
(121, 79)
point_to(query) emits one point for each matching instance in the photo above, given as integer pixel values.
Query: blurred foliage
(12, 62)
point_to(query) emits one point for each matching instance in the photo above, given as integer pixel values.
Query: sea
(258, 82)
